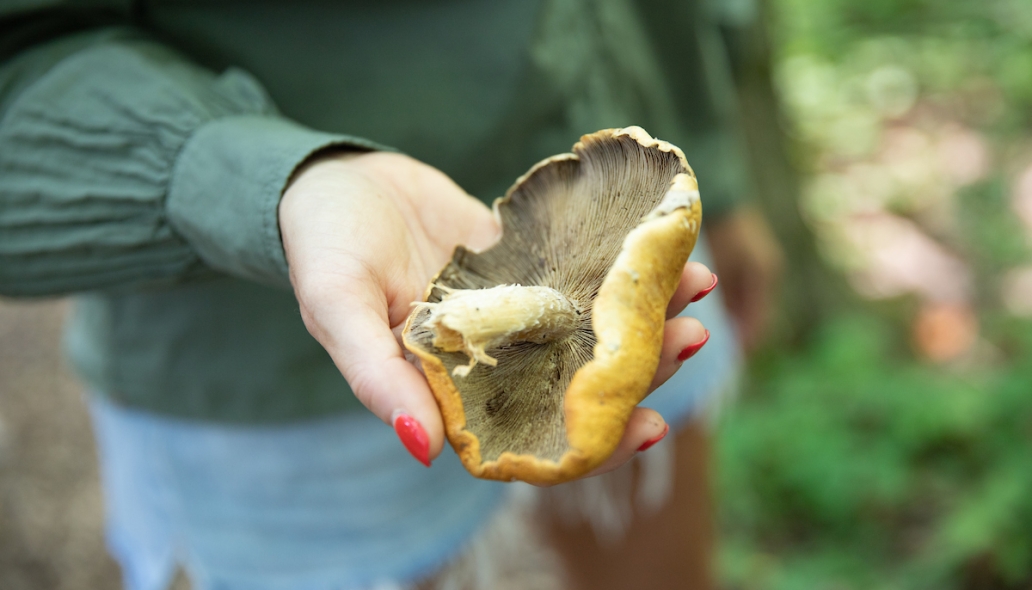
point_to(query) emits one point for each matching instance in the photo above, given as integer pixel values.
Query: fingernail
(412, 435)
(705, 291)
(645, 445)
(690, 350)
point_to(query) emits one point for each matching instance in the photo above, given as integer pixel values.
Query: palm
(408, 231)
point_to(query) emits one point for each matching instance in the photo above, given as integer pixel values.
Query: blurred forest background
(884, 436)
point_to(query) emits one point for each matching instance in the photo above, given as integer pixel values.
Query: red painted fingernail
(645, 445)
(705, 291)
(691, 349)
(412, 435)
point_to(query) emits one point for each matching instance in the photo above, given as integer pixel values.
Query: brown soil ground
(51, 514)
(51, 530)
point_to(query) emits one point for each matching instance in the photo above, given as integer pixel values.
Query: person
(241, 277)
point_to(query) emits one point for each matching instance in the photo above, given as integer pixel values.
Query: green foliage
(852, 463)
(850, 466)
(952, 45)
(993, 239)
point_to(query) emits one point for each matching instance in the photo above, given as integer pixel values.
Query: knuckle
(310, 322)
(362, 381)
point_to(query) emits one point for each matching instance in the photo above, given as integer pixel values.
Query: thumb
(356, 332)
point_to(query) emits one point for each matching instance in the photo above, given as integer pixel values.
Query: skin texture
(363, 235)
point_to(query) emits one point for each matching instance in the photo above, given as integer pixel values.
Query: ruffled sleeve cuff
(226, 187)
(125, 164)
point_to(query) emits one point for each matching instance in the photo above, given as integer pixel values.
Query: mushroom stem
(473, 320)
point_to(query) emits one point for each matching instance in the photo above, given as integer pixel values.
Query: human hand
(749, 261)
(363, 234)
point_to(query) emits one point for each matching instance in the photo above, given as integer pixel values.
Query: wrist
(321, 161)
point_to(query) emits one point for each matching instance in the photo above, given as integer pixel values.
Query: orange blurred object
(944, 332)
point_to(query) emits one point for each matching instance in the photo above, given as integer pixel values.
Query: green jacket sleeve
(123, 164)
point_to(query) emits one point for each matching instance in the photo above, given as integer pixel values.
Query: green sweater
(136, 176)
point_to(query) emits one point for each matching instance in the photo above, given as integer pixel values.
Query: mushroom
(539, 348)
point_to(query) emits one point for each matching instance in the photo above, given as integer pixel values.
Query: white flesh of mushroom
(473, 320)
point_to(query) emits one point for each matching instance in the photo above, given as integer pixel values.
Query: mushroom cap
(610, 226)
